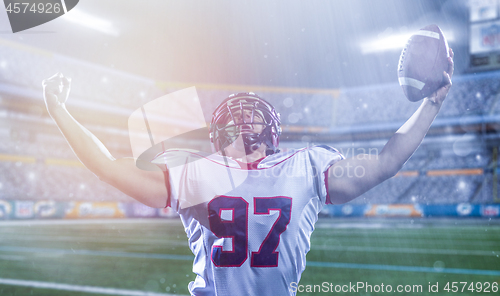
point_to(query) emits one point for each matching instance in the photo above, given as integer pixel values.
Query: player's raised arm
(147, 187)
(349, 178)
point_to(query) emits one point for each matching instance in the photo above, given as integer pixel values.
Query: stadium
(432, 228)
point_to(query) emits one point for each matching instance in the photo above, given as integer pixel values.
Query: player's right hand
(56, 90)
(438, 96)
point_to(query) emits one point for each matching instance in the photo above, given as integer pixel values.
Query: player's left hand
(438, 96)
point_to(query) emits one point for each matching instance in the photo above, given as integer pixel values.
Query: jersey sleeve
(195, 177)
(322, 158)
(175, 164)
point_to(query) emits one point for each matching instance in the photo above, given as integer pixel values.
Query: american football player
(248, 209)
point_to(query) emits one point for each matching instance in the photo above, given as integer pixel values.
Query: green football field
(348, 256)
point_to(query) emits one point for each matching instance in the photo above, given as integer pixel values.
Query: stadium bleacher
(40, 165)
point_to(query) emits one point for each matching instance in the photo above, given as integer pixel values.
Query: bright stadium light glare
(84, 19)
(462, 185)
(393, 42)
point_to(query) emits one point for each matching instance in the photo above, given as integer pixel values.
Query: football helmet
(228, 121)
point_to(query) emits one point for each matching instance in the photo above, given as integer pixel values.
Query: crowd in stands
(437, 180)
(35, 178)
(39, 178)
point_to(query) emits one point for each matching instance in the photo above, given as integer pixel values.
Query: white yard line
(10, 237)
(71, 251)
(406, 250)
(76, 288)
(9, 223)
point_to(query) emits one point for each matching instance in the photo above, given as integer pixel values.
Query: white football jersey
(249, 228)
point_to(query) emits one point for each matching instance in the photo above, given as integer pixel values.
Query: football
(422, 62)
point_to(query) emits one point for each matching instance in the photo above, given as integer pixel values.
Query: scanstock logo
(26, 14)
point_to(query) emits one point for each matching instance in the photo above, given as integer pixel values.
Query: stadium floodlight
(84, 19)
(392, 42)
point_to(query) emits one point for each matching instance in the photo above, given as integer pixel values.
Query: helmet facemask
(230, 120)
